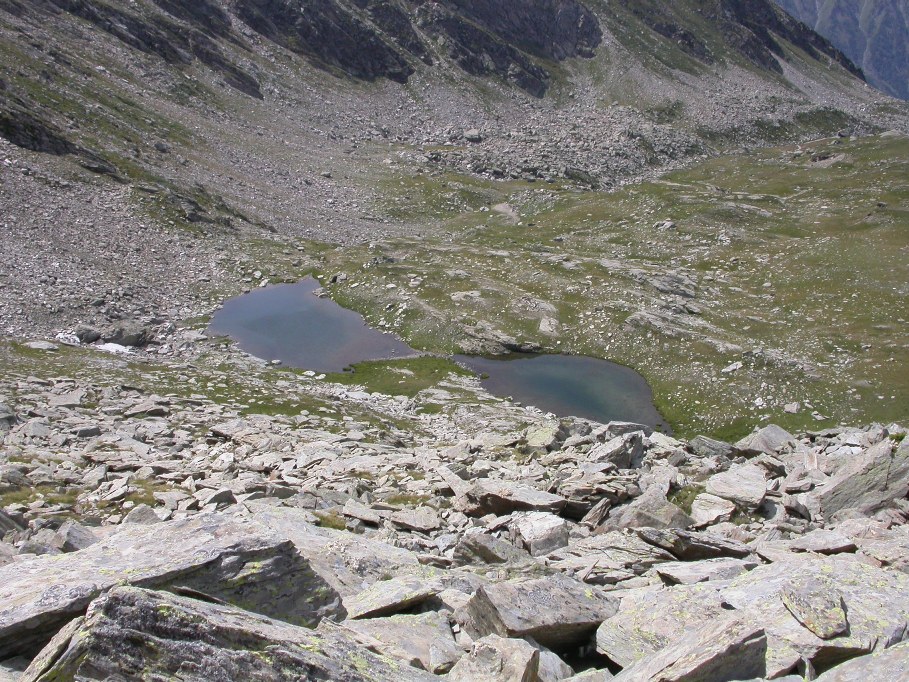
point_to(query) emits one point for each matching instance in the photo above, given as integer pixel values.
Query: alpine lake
(290, 323)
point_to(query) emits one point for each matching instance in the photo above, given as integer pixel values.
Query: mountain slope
(158, 157)
(873, 33)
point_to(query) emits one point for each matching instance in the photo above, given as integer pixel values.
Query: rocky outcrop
(525, 551)
(139, 633)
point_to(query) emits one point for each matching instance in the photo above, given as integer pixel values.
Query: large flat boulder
(424, 640)
(745, 485)
(802, 604)
(556, 611)
(345, 561)
(887, 664)
(498, 659)
(386, 597)
(226, 558)
(723, 649)
(768, 440)
(608, 558)
(132, 633)
(505, 497)
(649, 621)
(867, 483)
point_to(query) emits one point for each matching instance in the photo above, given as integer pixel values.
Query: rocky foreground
(152, 537)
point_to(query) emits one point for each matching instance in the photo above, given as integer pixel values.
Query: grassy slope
(800, 251)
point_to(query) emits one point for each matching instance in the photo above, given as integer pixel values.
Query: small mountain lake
(570, 385)
(288, 322)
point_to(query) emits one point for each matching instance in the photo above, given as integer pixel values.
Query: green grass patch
(399, 377)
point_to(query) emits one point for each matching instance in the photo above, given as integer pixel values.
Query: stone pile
(154, 537)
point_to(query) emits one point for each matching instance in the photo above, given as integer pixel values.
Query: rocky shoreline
(159, 535)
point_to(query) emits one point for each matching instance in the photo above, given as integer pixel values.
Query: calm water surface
(570, 385)
(289, 323)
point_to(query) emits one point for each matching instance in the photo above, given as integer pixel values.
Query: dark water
(570, 385)
(289, 323)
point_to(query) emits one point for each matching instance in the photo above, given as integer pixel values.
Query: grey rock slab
(745, 485)
(504, 497)
(422, 519)
(131, 633)
(689, 572)
(867, 483)
(823, 541)
(386, 597)
(423, 640)
(886, 664)
(818, 606)
(691, 546)
(556, 611)
(608, 558)
(650, 510)
(486, 549)
(648, 621)
(707, 509)
(345, 561)
(233, 560)
(498, 659)
(539, 532)
(8, 523)
(768, 440)
(41, 345)
(73, 536)
(874, 601)
(723, 649)
(143, 514)
(702, 446)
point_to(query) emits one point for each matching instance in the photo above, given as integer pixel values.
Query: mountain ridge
(873, 33)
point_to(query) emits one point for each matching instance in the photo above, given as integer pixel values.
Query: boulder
(539, 532)
(689, 546)
(823, 541)
(227, 559)
(745, 485)
(496, 659)
(386, 597)
(886, 664)
(723, 649)
(650, 510)
(503, 497)
(702, 446)
(422, 519)
(690, 572)
(486, 549)
(137, 633)
(72, 536)
(556, 611)
(344, 560)
(867, 483)
(649, 621)
(127, 334)
(786, 596)
(608, 558)
(8, 417)
(424, 640)
(707, 509)
(768, 440)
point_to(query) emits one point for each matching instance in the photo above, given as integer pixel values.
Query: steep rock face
(753, 28)
(555, 29)
(872, 33)
(329, 32)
